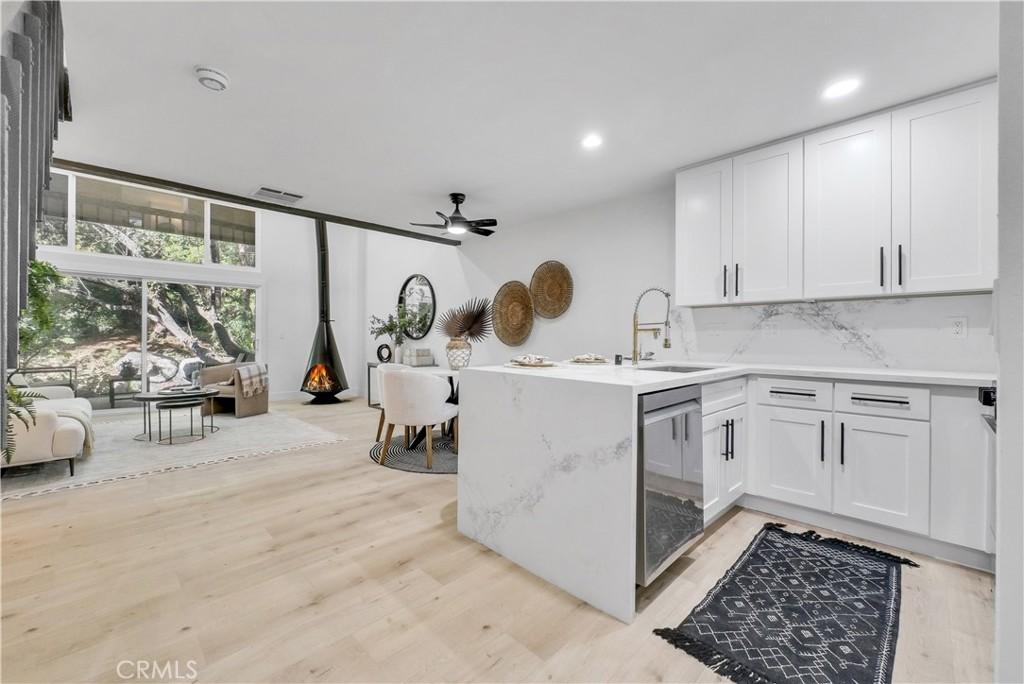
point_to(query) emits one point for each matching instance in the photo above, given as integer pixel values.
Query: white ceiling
(377, 111)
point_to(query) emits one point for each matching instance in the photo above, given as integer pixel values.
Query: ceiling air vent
(277, 196)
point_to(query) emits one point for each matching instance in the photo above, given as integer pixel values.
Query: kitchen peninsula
(549, 477)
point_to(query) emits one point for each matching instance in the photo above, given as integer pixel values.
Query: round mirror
(417, 295)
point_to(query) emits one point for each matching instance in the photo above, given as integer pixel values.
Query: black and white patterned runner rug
(801, 609)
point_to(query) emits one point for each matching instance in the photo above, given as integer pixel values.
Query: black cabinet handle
(901, 402)
(899, 264)
(728, 439)
(842, 444)
(732, 439)
(791, 393)
(725, 281)
(736, 279)
(823, 441)
(881, 266)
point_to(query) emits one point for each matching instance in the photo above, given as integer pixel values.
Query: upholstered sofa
(224, 378)
(53, 437)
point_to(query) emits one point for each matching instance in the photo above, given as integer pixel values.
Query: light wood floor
(321, 566)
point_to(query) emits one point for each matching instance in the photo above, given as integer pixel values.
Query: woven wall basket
(551, 287)
(513, 313)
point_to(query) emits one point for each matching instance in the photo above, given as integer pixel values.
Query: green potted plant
(471, 321)
(394, 327)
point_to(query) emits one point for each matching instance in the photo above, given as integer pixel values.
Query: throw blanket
(83, 418)
(253, 378)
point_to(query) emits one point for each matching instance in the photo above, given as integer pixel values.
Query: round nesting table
(170, 401)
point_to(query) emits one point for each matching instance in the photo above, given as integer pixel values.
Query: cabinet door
(882, 470)
(714, 456)
(944, 192)
(794, 461)
(768, 224)
(733, 475)
(847, 195)
(703, 234)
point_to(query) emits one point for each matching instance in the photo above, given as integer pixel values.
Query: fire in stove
(320, 380)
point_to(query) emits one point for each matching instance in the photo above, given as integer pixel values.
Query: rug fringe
(811, 535)
(715, 661)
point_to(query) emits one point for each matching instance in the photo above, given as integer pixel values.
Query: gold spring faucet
(637, 329)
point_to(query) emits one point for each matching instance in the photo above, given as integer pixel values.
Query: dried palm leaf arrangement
(471, 321)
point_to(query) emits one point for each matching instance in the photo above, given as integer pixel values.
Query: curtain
(34, 98)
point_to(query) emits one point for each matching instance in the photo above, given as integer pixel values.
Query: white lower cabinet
(793, 459)
(724, 435)
(882, 470)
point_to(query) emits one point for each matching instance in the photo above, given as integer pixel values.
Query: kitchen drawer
(719, 396)
(795, 393)
(893, 401)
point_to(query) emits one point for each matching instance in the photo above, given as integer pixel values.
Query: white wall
(616, 249)
(288, 245)
(1009, 661)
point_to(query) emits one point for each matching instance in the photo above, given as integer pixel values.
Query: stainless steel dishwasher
(670, 494)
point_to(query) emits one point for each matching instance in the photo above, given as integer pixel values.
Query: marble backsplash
(912, 333)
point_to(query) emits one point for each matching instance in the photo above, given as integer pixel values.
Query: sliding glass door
(109, 330)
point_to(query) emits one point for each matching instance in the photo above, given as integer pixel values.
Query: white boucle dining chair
(381, 370)
(415, 399)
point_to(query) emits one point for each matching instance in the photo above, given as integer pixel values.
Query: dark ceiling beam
(160, 183)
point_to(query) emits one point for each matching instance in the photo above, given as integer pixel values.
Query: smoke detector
(211, 78)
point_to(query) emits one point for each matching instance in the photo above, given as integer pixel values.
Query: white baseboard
(960, 555)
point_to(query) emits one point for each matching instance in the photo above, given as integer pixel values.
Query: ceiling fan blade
(484, 223)
(429, 225)
(447, 221)
(480, 231)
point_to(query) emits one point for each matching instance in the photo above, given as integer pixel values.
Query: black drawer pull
(823, 441)
(881, 266)
(899, 268)
(725, 281)
(736, 279)
(792, 393)
(901, 402)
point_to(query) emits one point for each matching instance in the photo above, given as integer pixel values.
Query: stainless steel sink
(672, 369)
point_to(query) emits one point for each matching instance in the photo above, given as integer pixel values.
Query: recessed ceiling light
(841, 88)
(591, 141)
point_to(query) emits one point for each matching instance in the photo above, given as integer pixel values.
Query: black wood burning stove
(325, 376)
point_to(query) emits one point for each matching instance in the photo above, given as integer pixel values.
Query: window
(194, 325)
(54, 228)
(98, 330)
(98, 327)
(122, 219)
(232, 236)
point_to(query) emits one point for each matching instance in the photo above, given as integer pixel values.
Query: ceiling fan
(459, 224)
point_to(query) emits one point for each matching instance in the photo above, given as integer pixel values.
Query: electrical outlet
(958, 326)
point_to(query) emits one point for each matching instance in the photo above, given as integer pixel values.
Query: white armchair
(381, 370)
(411, 399)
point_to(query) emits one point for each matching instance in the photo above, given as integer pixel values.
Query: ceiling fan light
(456, 230)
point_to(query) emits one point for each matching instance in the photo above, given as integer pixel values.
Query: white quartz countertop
(647, 379)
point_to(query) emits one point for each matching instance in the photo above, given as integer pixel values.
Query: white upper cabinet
(703, 233)
(767, 231)
(847, 196)
(944, 192)
(898, 203)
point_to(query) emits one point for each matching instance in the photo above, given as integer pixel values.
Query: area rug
(446, 462)
(799, 608)
(116, 456)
